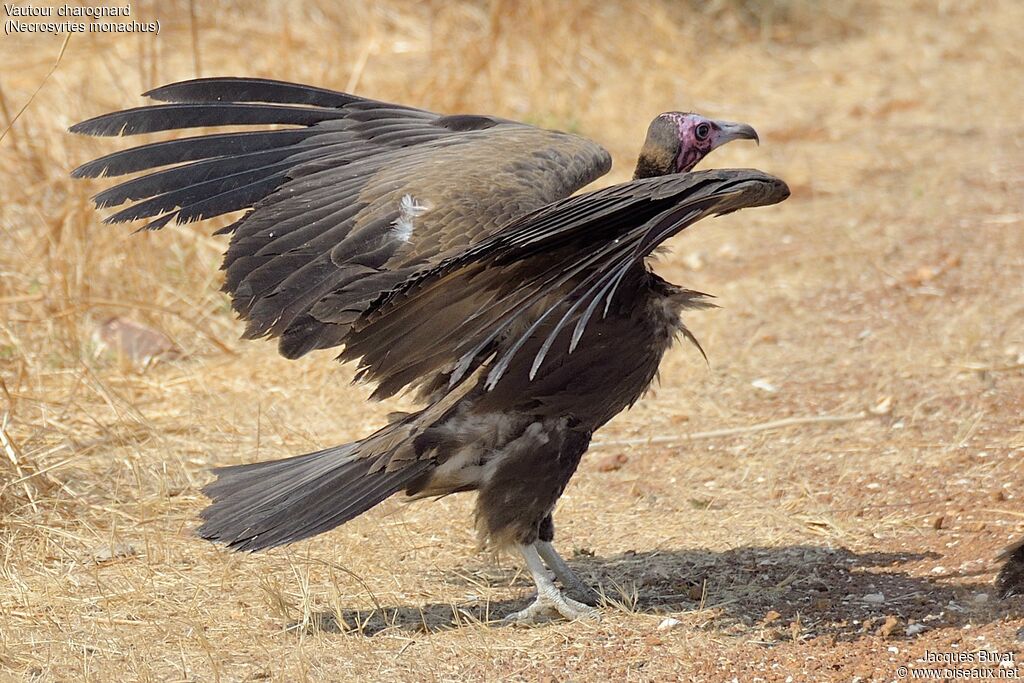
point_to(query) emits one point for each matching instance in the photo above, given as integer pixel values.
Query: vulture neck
(653, 161)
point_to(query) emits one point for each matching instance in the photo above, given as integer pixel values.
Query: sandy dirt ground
(822, 500)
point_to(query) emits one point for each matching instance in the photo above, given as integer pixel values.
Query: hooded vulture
(446, 256)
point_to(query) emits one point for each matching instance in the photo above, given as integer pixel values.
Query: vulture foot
(552, 605)
(550, 601)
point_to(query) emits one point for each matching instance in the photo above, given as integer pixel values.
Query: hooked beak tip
(738, 131)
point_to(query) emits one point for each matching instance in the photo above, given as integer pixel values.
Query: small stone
(795, 629)
(133, 341)
(916, 630)
(668, 624)
(887, 628)
(883, 407)
(874, 598)
(771, 617)
(764, 385)
(612, 463)
(114, 551)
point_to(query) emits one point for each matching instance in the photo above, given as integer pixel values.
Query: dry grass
(891, 280)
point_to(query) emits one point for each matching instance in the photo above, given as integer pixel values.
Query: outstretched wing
(541, 280)
(352, 198)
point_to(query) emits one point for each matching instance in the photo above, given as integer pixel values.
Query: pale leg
(550, 600)
(567, 576)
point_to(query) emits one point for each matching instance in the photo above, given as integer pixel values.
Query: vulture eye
(703, 131)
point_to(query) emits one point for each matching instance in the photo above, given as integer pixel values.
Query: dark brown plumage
(443, 254)
(1010, 579)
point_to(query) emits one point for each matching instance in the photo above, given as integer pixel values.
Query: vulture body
(445, 255)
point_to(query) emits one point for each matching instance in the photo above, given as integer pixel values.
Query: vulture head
(677, 141)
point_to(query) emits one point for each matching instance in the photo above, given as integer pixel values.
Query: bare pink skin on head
(699, 136)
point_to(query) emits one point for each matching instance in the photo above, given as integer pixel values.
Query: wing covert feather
(541, 280)
(326, 233)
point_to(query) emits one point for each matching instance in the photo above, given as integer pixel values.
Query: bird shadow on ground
(768, 594)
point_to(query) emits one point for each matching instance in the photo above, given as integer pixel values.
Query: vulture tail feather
(268, 504)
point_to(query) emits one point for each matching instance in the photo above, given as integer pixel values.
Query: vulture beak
(735, 131)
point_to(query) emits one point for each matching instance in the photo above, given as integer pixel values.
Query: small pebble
(133, 341)
(612, 462)
(887, 628)
(918, 629)
(668, 624)
(116, 551)
(883, 407)
(874, 598)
